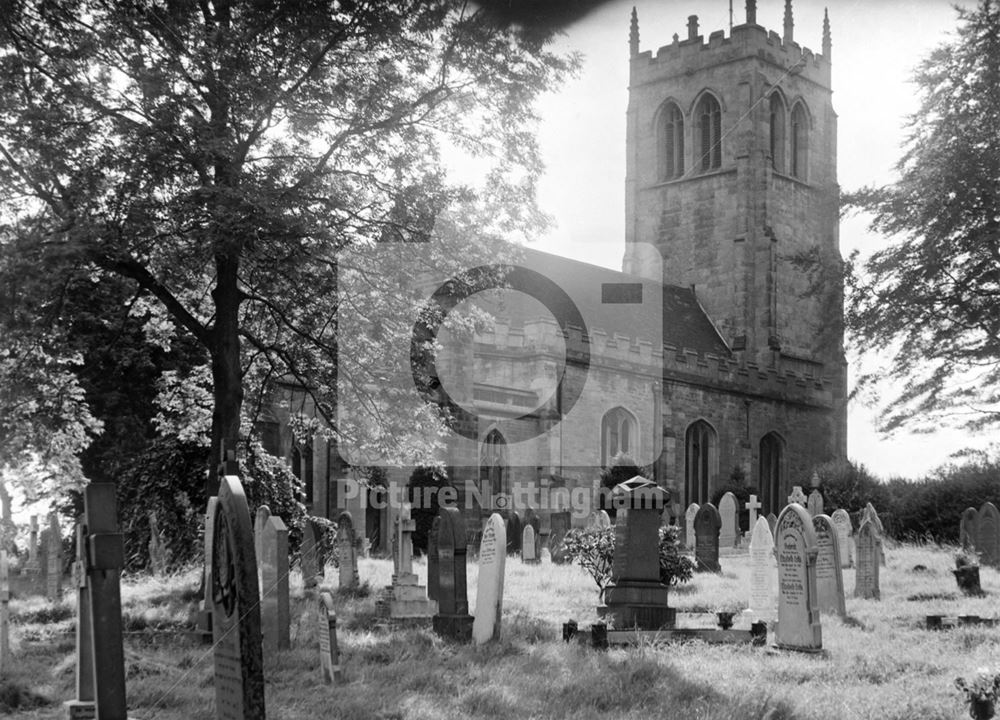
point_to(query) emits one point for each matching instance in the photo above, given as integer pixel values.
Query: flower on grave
(984, 686)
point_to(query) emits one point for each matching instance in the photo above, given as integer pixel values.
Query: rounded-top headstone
(795, 548)
(489, 588)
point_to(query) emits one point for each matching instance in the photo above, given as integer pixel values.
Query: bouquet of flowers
(980, 692)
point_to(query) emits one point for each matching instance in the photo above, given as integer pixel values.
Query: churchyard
(879, 660)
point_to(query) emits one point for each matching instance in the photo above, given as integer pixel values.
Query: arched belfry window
(493, 466)
(800, 141)
(672, 139)
(770, 462)
(777, 130)
(708, 115)
(699, 458)
(619, 434)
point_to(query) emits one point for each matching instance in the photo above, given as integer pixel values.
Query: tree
(928, 301)
(219, 155)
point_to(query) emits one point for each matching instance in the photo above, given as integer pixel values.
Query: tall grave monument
(405, 598)
(275, 602)
(453, 619)
(730, 521)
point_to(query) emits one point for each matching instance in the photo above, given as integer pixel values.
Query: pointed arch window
(618, 434)
(709, 118)
(493, 479)
(777, 131)
(672, 139)
(800, 142)
(770, 461)
(699, 457)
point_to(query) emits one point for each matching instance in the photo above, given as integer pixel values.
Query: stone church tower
(731, 172)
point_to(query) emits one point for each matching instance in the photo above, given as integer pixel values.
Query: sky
(876, 46)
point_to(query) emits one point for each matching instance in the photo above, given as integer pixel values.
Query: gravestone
(842, 522)
(599, 520)
(866, 580)
(829, 576)
(157, 550)
(772, 522)
(236, 622)
(274, 603)
(763, 572)
(752, 506)
(489, 588)
(730, 521)
(988, 535)
(433, 553)
(405, 598)
(329, 652)
(347, 551)
(967, 529)
(205, 605)
(870, 513)
(815, 503)
(100, 653)
(260, 519)
(514, 532)
(453, 619)
(689, 534)
(560, 523)
(706, 532)
(529, 549)
(5, 658)
(795, 548)
(531, 518)
(312, 562)
(33, 566)
(797, 496)
(635, 597)
(54, 565)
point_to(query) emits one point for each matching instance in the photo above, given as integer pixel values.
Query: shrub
(593, 549)
(850, 486)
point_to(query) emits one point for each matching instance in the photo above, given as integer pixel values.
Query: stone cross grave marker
(689, 516)
(967, 530)
(706, 531)
(529, 551)
(866, 580)
(347, 551)
(54, 565)
(795, 548)
(514, 530)
(433, 555)
(489, 588)
(405, 598)
(870, 513)
(260, 519)
(329, 652)
(730, 521)
(560, 523)
(5, 659)
(842, 522)
(275, 609)
(33, 565)
(635, 597)
(752, 506)
(157, 550)
(815, 503)
(236, 621)
(453, 619)
(829, 576)
(312, 562)
(988, 534)
(797, 496)
(762, 572)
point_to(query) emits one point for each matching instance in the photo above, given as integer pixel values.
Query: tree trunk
(227, 375)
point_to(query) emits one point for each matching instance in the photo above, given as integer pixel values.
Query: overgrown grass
(879, 662)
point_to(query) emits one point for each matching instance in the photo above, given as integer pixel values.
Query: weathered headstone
(829, 576)
(156, 547)
(842, 522)
(312, 562)
(866, 576)
(706, 532)
(329, 652)
(236, 621)
(405, 598)
(967, 531)
(433, 556)
(560, 524)
(815, 503)
(635, 597)
(514, 529)
(871, 514)
(730, 521)
(453, 619)
(489, 588)
(532, 518)
(5, 659)
(33, 565)
(529, 550)
(274, 603)
(599, 520)
(797, 496)
(689, 516)
(988, 534)
(347, 551)
(54, 565)
(795, 548)
(772, 521)
(763, 572)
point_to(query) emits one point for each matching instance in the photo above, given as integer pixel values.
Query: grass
(879, 662)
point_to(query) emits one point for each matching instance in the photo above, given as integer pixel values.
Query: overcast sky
(876, 46)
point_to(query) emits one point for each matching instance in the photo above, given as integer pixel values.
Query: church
(717, 351)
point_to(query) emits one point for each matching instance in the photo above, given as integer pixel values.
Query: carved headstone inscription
(236, 623)
(730, 521)
(795, 548)
(842, 522)
(829, 576)
(763, 572)
(707, 524)
(689, 534)
(489, 588)
(866, 577)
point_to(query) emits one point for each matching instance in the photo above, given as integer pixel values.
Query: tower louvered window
(673, 143)
(709, 115)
